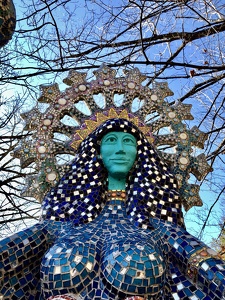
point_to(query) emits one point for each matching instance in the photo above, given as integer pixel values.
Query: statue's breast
(69, 267)
(133, 267)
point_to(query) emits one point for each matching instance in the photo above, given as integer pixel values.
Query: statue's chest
(122, 256)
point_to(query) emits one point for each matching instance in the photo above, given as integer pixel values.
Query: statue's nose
(121, 152)
(120, 148)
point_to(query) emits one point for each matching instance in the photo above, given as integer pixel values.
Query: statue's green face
(118, 151)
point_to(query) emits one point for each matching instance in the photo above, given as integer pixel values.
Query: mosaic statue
(7, 21)
(112, 225)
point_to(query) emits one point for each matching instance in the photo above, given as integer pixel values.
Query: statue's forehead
(119, 134)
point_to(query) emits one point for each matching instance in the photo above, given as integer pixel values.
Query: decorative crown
(74, 113)
(90, 125)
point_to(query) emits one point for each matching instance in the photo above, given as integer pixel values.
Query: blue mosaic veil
(80, 195)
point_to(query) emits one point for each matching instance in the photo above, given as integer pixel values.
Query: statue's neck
(116, 183)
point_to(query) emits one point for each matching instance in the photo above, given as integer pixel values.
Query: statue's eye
(128, 141)
(111, 139)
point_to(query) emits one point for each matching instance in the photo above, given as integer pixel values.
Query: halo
(89, 103)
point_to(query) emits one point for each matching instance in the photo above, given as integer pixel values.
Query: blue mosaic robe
(108, 258)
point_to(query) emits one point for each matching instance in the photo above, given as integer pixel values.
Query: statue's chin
(118, 174)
